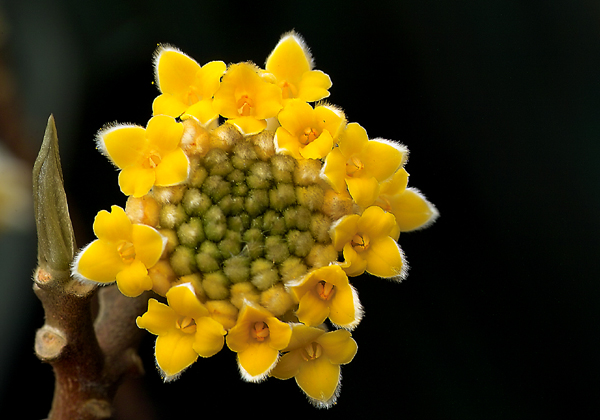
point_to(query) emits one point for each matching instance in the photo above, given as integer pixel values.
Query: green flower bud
(283, 167)
(191, 233)
(307, 172)
(292, 268)
(172, 215)
(276, 249)
(311, 197)
(216, 285)
(254, 240)
(217, 162)
(244, 155)
(231, 244)
(208, 258)
(274, 223)
(259, 175)
(237, 268)
(319, 227)
(299, 243)
(263, 274)
(277, 300)
(242, 292)
(215, 224)
(257, 202)
(183, 260)
(197, 176)
(195, 203)
(297, 218)
(263, 144)
(282, 196)
(216, 187)
(236, 176)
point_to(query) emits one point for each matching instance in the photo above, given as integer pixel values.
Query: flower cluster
(251, 202)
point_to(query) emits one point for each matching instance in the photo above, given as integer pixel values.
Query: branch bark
(89, 358)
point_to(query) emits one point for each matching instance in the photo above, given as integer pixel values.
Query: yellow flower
(184, 329)
(366, 244)
(257, 338)
(123, 253)
(326, 292)
(314, 357)
(306, 132)
(187, 89)
(361, 164)
(246, 98)
(146, 157)
(291, 64)
(410, 207)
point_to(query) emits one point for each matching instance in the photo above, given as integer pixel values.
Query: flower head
(146, 156)
(313, 358)
(326, 292)
(367, 245)
(257, 338)
(184, 329)
(291, 63)
(306, 132)
(360, 164)
(187, 89)
(123, 253)
(246, 98)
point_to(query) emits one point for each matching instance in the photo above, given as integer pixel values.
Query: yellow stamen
(126, 251)
(354, 166)
(312, 351)
(245, 105)
(186, 324)
(325, 290)
(309, 135)
(152, 160)
(259, 331)
(360, 242)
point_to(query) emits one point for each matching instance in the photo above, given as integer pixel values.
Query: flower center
(354, 166)
(288, 90)
(151, 161)
(312, 351)
(126, 251)
(308, 136)
(325, 290)
(192, 96)
(186, 324)
(360, 242)
(259, 331)
(245, 105)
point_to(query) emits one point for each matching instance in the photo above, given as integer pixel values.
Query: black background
(499, 104)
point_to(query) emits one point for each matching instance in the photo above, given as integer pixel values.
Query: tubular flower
(360, 164)
(313, 358)
(257, 338)
(326, 292)
(408, 205)
(146, 157)
(123, 253)
(187, 89)
(184, 329)
(291, 63)
(246, 98)
(306, 132)
(367, 245)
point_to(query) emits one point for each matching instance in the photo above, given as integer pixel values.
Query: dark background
(499, 104)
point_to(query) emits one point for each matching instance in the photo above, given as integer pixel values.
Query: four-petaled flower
(367, 244)
(313, 358)
(257, 338)
(306, 132)
(187, 89)
(123, 253)
(246, 98)
(411, 209)
(184, 329)
(146, 156)
(361, 164)
(326, 292)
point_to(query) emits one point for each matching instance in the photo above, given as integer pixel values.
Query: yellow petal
(124, 144)
(248, 125)
(209, 338)
(133, 280)
(280, 333)
(382, 158)
(364, 191)
(164, 133)
(343, 230)
(136, 180)
(314, 86)
(290, 59)
(384, 258)
(99, 262)
(353, 140)
(174, 352)
(334, 170)
(183, 300)
(312, 310)
(167, 104)
(296, 116)
(303, 335)
(319, 379)
(354, 263)
(287, 143)
(396, 184)
(208, 78)
(330, 118)
(257, 360)
(412, 210)
(268, 101)
(319, 147)
(114, 226)
(376, 223)
(287, 366)
(175, 71)
(173, 169)
(344, 308)
(148, 244)
(338, 346)
(202, 111)
(159, 319)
